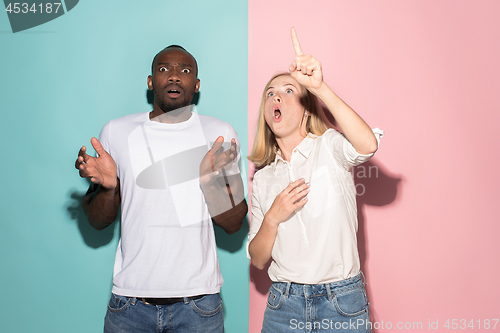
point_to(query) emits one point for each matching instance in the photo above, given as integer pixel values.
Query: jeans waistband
(291, 288)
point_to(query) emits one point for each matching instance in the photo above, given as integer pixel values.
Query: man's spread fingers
(217, 144)
(97, 146)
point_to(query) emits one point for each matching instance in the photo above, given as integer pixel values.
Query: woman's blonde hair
(265, 146)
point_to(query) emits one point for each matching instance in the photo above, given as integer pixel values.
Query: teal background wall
(59, 83)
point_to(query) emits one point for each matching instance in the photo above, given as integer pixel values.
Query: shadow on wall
(375, 187)
(92, 237)
(234, 242)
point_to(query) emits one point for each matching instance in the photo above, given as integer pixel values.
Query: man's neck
(171, 117)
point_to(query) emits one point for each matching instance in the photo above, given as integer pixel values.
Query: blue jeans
(130, 315)
(334, 307)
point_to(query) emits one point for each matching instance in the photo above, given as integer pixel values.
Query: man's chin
(172, 106)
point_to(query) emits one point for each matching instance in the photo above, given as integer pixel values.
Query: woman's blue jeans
(334, 307)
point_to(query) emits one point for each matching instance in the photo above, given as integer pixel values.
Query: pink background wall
(428, 73)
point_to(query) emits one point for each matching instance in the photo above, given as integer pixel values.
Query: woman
(304, 203)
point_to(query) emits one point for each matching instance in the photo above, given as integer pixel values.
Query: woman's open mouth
(277, 113)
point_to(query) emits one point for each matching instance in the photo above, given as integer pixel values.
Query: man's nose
(174, 76)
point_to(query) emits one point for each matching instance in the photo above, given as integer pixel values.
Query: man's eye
(270, 94)
(163, 69)
(289, 91)
(186, 71)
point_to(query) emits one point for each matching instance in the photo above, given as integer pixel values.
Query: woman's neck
(287, 145)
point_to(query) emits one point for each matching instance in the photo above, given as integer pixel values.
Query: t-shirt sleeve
(343, 150)
(257, 214)
(104, 137)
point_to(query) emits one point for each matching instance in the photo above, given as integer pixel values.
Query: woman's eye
(163, 69)
(186, 71)
(289, 91)
(270, 94)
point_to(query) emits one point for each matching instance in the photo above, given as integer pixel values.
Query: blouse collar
(304, 148)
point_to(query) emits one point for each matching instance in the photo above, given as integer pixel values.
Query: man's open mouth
(173, 93)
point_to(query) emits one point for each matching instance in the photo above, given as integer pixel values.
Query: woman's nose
(277, 98)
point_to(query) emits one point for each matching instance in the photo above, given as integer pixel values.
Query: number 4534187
(25, 8)
(462, 324)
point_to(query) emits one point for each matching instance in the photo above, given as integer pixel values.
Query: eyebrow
(178, 64)
(286, 84)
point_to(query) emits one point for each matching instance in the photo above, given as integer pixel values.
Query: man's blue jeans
(334, 307)
(130, 315)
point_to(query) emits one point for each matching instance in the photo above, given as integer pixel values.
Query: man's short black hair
(177, 46)
(169, 47)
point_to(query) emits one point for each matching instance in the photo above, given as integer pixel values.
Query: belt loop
(363, 278)
(133, 300)
(186, 300)
(287, 289)
(328, 291)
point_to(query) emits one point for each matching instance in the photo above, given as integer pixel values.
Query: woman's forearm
(352, 125)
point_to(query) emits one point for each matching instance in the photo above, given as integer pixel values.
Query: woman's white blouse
(318, 243)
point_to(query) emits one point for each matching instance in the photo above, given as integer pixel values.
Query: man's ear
(197, 87)
(150, 82)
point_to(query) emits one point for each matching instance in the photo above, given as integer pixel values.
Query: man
(171, 186)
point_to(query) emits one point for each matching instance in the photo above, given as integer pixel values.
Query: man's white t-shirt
(167, 245)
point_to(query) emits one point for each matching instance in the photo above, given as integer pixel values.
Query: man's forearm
(226, 202)
(101, 206)
(231, 220)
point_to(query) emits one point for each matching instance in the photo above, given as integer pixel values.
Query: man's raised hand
(305, 68)
(217, 160)
(101, 170)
